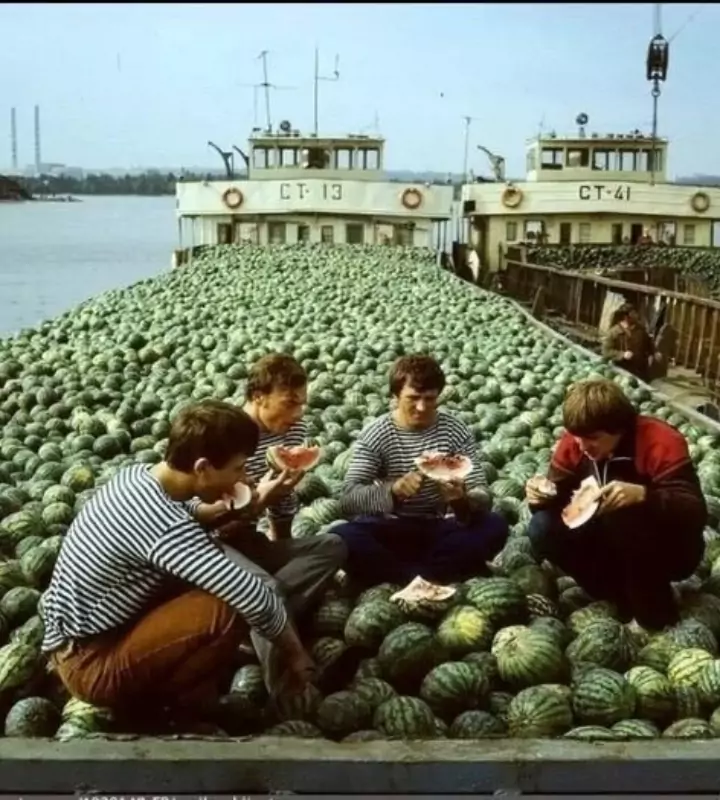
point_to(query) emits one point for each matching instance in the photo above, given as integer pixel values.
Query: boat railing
(579, 298)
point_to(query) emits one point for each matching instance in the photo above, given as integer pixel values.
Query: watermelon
(342, 713)
(32, 717)
(453, 687)
(294, 459)
(603, 697)
(464, 629)
(537, 712)
(408, 653)
(405, 718)
(476, 725)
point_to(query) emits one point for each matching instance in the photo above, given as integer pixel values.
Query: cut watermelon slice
(444, 466)
(300, 458)
(584, 504)
(543, 486)
(241, 497)
(421, 591)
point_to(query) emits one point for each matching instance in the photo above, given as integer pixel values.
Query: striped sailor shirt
(385, 452)
(117, 555)
(257, 465)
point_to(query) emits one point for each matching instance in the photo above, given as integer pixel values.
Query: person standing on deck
(144, 610)
(628, 344)
(299, 569)
(648, 531)
(401, 527)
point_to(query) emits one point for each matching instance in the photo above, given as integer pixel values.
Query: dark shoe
(337, 675)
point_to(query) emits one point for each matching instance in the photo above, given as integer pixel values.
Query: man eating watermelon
(299, 569)
(415, 489)
(636, 524)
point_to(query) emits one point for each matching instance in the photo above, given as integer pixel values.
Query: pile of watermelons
(524, 652)
(700, 264)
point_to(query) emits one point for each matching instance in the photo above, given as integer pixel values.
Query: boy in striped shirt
(406, 525)
(299, 569)
(145, 610)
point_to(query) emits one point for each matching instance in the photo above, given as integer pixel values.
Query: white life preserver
(700, 202)
(232, 198)
(511, 197)
(412, 199)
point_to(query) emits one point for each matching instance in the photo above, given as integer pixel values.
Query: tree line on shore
(147, 183)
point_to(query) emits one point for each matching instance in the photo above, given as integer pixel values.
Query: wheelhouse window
(259, 158)
(355, 233)
(277, 232)
(371, 158)
(552, 158)
(404, 234)
(289, 156)
(511, 231)
(578, 157)
(585, 232)
(343, 158)
(688, 234)
(327, 234)
(601, 159)
(303, 233)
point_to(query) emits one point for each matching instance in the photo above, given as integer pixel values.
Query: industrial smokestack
(13, 139)
(38, 159)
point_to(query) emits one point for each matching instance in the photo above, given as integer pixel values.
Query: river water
(55, 255)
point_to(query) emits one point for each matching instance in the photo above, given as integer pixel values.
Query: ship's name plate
(304, 191)
(600, 191)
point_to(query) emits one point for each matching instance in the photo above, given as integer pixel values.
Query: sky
(147, 85)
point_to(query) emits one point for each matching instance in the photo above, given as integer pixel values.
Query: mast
(316, 85)
(656, 66)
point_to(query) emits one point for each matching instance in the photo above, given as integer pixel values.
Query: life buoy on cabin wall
(511, 197)
(411, 198)
(700, 202)
(232, 198)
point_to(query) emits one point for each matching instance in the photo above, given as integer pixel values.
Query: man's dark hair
(213, 430)
(419, 371)
(622, 313)
(597, 406)
(275, 371)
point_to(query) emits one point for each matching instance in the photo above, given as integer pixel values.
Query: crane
(227, 158)
(497, 163)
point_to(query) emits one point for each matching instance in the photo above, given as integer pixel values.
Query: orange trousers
(176, 655)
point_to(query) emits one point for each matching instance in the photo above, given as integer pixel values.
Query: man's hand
(407, 486)
(274, 487)
(533, 493)
(451, 491)
(627, 355)
(619, 494)
(301, 671)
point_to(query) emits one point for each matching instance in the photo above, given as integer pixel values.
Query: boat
(601, 188)
(310, 188)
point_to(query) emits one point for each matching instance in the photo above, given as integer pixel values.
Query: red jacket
(653, 454)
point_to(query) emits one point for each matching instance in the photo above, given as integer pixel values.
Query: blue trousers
(396, 550)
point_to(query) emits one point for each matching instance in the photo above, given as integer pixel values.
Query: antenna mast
(656, 66)
(318, 78)
(266, 86)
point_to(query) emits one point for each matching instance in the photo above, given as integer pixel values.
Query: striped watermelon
(604, 642)
(405, 718)
(708, 683)
(453, 687)
(686, 666)
(591, 733)
(538, 712)
(476, 725)
(692, 728)
(296, 728)
(635, 729)
(655, 699)
(374, 691)
(464, 629)
(371, 621)
(408, 653)
(500, 599)
(603, 697)
(530, 658)
(343, 712)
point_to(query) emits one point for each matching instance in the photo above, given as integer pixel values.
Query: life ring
(511, 197)
(232, 198)
(411, 198)
(700, 202)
